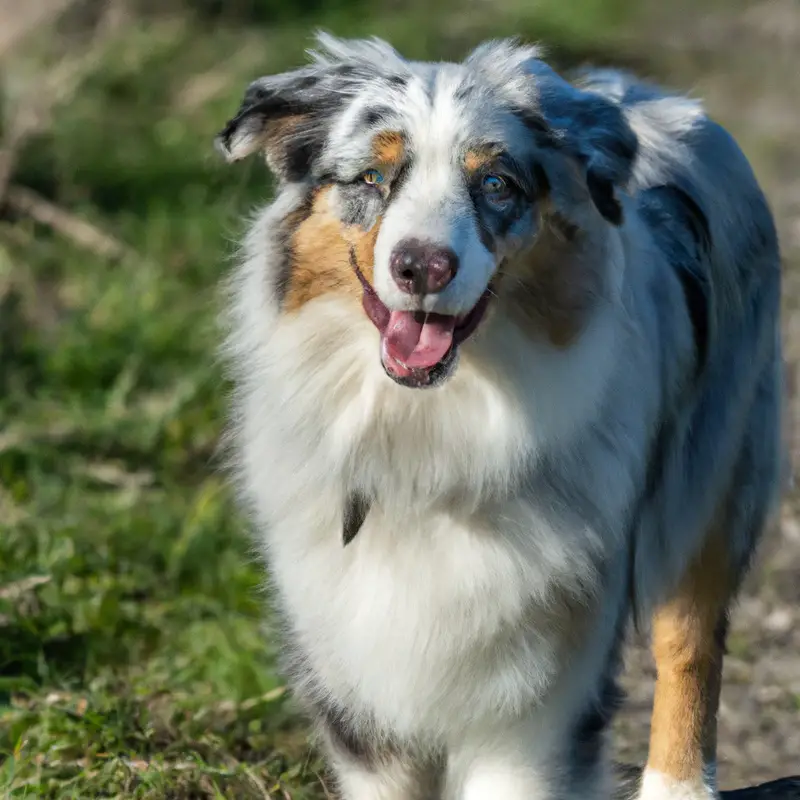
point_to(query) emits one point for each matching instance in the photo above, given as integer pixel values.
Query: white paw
(501, 783)
(391, 783)
(657, 786)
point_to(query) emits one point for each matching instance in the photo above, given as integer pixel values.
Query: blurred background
(133, 657)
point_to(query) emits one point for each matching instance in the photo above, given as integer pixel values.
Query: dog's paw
(657, 786)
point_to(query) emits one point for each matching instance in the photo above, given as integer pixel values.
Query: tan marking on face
(554, 286)
(480, 158)
(320, 255)
(688, 656)
(388, 147)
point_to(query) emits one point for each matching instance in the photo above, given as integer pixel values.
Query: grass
(134, 656)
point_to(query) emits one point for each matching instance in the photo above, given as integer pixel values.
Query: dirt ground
(744, 60)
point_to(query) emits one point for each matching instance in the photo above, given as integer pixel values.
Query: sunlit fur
(591, 434)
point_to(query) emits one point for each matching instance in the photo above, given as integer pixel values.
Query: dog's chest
(419, 619)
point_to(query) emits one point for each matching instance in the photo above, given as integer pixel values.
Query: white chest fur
(426, 622)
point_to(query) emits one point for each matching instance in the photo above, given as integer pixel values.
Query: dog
(508, 371)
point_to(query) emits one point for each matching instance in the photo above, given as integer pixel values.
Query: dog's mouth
(419, 349)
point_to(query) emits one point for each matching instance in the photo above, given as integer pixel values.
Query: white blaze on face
(434, 206)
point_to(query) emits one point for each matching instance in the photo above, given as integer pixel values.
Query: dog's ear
(594, 130)
(287, 117)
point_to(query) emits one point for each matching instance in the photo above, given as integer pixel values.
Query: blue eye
(373, 177)
(494, 187)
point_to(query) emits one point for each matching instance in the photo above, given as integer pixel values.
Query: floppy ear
(287, 117)
(594, 130)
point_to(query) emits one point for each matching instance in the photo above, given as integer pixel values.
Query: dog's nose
(419, 268)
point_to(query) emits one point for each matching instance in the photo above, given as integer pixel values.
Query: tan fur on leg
(688, 650)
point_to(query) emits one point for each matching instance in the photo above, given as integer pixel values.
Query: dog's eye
(495, 188)
(373, 177)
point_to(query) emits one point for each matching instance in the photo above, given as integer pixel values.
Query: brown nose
(419, 268)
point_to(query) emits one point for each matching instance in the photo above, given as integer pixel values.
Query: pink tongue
(417, 343)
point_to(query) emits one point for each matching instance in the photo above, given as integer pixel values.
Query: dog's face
(422, 180)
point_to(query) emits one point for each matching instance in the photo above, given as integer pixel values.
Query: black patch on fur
(623, 147)
(399, 179)
(695, 291)
(537, 125)
(602, 193)
(344, 736)
(399, 81)
(372, 116)
(325, 178)
(485, 232)
(589, 732)
(587, 742)
(597, 718)
(464, 92)
(721, 633)
(695, 219)
(299, 157)
(681, 230)
(289, 224)
(542, 181)
(308, 82)
(356, 508)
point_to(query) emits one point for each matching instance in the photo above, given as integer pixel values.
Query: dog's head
(422, 180)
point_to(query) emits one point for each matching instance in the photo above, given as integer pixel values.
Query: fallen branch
(781, 789)
(83, 233)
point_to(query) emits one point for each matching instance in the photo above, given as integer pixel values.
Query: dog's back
(696, 190)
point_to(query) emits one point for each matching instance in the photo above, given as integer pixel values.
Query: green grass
(134, 657)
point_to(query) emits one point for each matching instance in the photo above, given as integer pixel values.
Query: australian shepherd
(508, 376)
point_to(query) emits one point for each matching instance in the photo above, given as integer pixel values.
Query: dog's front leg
(525, 760)
(392, 779)
(366, 767)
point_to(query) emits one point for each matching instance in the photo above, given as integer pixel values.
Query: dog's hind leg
(688, 645)
(689, 628)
